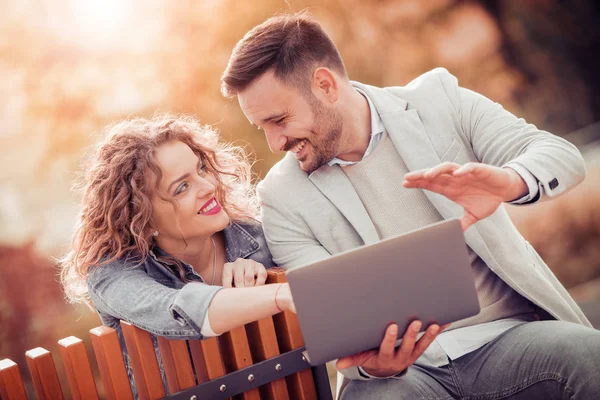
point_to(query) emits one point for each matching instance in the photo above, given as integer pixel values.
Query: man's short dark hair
(292, 46)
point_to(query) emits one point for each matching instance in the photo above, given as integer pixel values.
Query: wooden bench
(262, 360)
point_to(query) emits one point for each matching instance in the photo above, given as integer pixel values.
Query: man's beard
(325, 139)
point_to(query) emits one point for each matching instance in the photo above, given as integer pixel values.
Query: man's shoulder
(436, 80)
(283, 175)
(432, 91)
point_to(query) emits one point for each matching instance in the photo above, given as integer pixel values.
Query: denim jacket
(150, 296)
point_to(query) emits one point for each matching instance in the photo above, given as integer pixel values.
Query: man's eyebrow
(182, 177)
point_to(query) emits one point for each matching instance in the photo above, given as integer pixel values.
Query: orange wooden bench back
(186, 363)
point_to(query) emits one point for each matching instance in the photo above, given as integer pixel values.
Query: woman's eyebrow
(186, 175)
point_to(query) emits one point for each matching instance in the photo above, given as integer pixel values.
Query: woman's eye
(181, 188)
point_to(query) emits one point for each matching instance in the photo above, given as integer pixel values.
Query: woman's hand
(243, 273)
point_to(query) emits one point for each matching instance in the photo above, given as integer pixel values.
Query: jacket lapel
(408, 134)
(336, 186)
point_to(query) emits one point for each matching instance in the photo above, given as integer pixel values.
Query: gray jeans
(537, 360)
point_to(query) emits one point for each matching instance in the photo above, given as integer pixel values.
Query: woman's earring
(155, 233)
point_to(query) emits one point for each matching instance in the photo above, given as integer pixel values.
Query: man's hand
(478, 188)
(243, 273)
(389, 361)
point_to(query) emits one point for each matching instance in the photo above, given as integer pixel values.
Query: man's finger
(440, 184)
(478, 170)
(355, 359)
(444, 168)
(388, 344)
(416, 184)
(465, 169)
(425, 340)
(409, 339)
(415, 175)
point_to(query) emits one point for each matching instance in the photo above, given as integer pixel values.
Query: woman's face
(186, 181)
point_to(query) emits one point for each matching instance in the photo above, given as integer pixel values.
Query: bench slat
(110, 363)
(11, 383)
(236, 355)
(207, 359)
(146, 372)
(43, 373)
(301, 385)
(263, 345)
(177, 364)
(77, 368)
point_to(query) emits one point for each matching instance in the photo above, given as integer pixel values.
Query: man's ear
(325, 85)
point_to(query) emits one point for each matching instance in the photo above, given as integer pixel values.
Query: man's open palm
(478, 188)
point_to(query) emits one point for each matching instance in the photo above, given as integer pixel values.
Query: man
(356, 152)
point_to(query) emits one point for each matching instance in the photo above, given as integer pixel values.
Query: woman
(166, 232)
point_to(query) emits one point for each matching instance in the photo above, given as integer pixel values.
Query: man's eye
(279, 122)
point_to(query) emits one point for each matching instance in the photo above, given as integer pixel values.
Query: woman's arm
(231, 308)
(129, 294)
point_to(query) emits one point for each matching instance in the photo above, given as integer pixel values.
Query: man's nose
(276, 141)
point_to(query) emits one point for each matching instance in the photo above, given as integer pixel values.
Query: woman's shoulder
(111, 265)
(246, 239)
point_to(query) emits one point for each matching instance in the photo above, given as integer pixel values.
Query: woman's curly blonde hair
(119, 180)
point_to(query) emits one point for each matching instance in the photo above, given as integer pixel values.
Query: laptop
(345, 302)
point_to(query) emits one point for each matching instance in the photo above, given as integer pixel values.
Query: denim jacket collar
(239, 243)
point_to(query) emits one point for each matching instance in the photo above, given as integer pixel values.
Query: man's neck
(357, 127)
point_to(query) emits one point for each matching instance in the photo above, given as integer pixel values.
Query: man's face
(293, 121)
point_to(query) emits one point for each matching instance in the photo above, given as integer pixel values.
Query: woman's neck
(200, 255)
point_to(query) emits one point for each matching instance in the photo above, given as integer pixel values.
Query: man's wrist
(377, 374)
(518, 186)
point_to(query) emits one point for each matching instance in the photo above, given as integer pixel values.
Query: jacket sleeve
(290, 240)
(499, 138)
(128, 293)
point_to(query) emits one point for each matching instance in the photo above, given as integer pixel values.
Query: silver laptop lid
(345, 302)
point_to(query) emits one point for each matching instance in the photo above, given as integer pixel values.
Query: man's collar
(377, 129)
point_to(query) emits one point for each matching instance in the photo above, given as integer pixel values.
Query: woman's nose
(205, 187)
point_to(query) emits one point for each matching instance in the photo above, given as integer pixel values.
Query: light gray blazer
(431, 120)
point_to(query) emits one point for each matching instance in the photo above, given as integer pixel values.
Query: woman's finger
(227, 275)
(261, 274)
(238, 274)
(249, 273)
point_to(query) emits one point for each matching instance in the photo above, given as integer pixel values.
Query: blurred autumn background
(69, 67)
